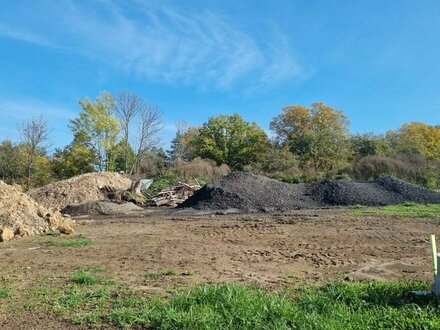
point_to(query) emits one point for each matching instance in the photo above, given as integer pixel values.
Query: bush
(414, 168)
(200, 170)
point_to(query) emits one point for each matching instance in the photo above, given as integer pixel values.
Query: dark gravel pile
(250, 192)
(102, 208)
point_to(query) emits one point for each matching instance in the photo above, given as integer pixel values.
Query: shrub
(201, 170)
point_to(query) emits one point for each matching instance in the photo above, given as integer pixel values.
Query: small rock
(6, 235)
(65, 229)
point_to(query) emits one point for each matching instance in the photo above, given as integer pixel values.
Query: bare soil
(269, 250)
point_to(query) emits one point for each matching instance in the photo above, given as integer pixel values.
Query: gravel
(245, 191)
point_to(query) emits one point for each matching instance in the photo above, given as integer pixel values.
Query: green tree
(229, 139)
(97, 122)
(416, 138)
(317, 135)
(12, 161)
(368, 144)
(76, 158)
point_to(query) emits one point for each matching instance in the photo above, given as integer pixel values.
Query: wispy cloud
(14, 113)
(162, 43)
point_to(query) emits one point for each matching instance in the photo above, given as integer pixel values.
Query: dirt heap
(245, 191)
(250, 192)
(21, 216)
(89, 187)
(102, 208)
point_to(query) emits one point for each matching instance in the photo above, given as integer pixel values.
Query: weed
(152, 274)
(5, 292)
(169, 272)
(86, 277)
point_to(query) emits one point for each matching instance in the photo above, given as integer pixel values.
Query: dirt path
(270, 250)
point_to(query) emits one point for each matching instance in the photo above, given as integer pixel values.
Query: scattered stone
(6, 234)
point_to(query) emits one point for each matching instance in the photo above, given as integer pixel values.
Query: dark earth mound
(101, 208)
(250, 192)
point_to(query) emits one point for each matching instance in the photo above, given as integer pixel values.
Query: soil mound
(102, 208)
(89, 187)
(250, 192)
(20, 215)
(245, 191)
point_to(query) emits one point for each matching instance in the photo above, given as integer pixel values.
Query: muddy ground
(269, 250)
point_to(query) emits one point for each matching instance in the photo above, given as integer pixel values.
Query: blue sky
(378, 61)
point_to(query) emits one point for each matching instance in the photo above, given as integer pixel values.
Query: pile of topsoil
(81, 189)
(250, 192)
(21, 216)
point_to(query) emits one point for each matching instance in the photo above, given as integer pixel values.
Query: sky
(376, 60)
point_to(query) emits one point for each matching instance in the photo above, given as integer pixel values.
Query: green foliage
(161, 182)
(230, 140)
(75, 159)
(368, 144)
(407, 210)
(97, 122)
(317, 135)
(416, 138)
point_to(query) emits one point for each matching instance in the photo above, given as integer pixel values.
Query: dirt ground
(269, 250)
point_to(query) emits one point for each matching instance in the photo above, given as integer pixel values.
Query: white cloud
(161, 43)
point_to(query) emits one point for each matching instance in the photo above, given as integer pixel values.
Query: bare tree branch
(149, 126)
(34, 133)
(128, 106)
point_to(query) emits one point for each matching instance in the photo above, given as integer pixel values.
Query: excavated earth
(272, 250)
(85, 188)
(244, 191)
(21, 216)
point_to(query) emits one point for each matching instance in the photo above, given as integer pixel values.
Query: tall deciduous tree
(34, 134)
(317, 135)
(229, 139)
(150, 124)
(416, 138)
(128, 106)
(97, 122)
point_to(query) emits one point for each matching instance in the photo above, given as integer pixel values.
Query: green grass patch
(86, 276)
(76, 241)
(340, 305)
(407, 210)
(5, 292)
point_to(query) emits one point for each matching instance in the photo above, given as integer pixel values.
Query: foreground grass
(76, 241)
(409, 210)
(342, 305)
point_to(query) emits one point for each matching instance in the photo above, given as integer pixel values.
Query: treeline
(121, 133)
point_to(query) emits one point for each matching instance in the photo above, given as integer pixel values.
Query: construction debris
(173, 196)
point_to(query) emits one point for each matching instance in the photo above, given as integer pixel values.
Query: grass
(5, 292)
(408, 210)
(86, 276)
(339, 305)
(166, 272)
(76, 241)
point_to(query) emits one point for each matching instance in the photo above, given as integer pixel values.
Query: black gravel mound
(250, 192)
